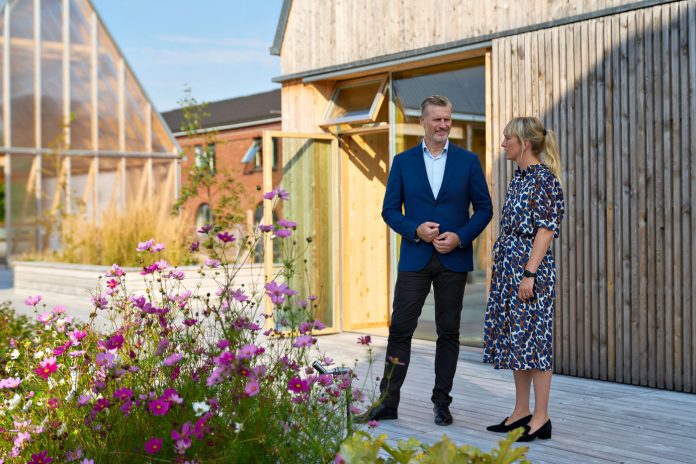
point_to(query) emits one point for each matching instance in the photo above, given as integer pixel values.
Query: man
(434, 182)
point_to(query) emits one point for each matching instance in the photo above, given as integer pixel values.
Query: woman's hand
(526, 290)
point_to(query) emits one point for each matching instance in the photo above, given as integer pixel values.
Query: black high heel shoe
(502, 427)
(542, 433)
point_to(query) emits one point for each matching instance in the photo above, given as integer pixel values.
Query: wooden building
(615, 79)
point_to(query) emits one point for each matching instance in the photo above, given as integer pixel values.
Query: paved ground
(593, 421)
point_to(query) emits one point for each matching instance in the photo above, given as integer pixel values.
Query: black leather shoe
(502, 427)
(542, 433)
(380, 412)
(443, 416)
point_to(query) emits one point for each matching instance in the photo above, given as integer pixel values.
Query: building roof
(257, 108)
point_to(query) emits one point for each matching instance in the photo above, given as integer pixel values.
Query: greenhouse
(78, 134)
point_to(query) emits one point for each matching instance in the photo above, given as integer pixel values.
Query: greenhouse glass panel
(81, 188)
(23, 200)
(136, 180)
(135, 116)
(22, 76)
(108, 94)
(110, 185)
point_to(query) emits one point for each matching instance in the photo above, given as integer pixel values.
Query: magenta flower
(40, 458)
(60, 309)
(239, 295)
(266, 228)
(149, 269)
(372, 424)
(194, 246)
(161, 265)
(303, 341)
(113, 283)
(144, 246)
(287, 224)
(173, 359)
(210, 262)
(123, 394)
(157, 247)
(189, 322)
(101, 404)
(305, 327)
(366, 340)
(77, 335)
(298, 385)
(222, 344)
(32, 300)
(61, 349)
(104, 359)
(277, 293)
(282, 194)
(252, 388)
(115, 342)
(226, 237)
(205, 229)
(47, 367)
(99, 301)
(159, 407)
(153, 445)
(247, 351)
(115, 271)
(283, 233)
(182, 440)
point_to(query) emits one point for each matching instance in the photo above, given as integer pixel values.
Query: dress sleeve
(548, 205)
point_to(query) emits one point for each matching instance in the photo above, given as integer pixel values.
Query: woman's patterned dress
(519, 334)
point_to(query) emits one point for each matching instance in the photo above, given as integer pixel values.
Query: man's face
(437, 122)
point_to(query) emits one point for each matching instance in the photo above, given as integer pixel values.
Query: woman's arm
(542, 241)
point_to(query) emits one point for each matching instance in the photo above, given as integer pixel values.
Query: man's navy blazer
(463, 184)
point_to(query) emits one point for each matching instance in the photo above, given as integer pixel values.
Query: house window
(203, 215)
(254, 156)
(357, 101)
(205, 157)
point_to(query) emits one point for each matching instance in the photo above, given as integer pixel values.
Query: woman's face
(512, 147)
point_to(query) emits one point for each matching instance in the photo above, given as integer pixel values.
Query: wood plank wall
(620, 92)
(330, 32)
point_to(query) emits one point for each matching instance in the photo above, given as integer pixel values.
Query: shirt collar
(442, 153)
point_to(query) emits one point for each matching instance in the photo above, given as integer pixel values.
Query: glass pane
(22, 76)
(80, 80)
(23, 203)
(81, 185)
(2, 65)
(354, 101)
(135, 116)
(161, 142)
(53, 198)
(163, 181)
(307, 176)
(464, 84)
(51, 74)
(136, 181)
(108, 93)
(109, 184)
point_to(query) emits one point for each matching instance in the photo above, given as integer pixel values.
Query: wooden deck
(593, 421)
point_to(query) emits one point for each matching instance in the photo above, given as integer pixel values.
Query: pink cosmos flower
(32, 300)
(144, 246)
(365, 340)
(77, 335)
(283, 233)
(239, 295)
(162, 346)
(247, 351)
(60, 309)
(99, 301)
(101, 404)
(10, 382)
(372, 424)
(104, 359)
(213, 263)
(46, 367)
(173, 359)
(162, 264)
(298, 385)
(266, 228)
(44, 318)
(194, 246)
(303, 341)
(182, 440)
(40, 458)
(113, 283)
(61, 349)
(311, 297)
(282, 194)
(252, 388)
(157, 247)
(87, 461)
(277, 293)
(159, 407)
(222, 344)
(115, 271)
(153, 445)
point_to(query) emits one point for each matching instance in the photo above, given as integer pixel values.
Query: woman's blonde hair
(544, 144)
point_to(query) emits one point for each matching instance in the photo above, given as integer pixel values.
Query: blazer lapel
(450, 169)
(422, 173)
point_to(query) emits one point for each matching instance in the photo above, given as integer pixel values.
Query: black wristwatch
(528, 273)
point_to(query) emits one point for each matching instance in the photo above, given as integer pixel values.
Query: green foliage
(219, 188)
(363, 448)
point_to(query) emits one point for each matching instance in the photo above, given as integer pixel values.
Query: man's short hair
(435, 100)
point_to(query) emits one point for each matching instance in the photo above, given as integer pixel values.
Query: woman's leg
(542, 387)
(523, 385)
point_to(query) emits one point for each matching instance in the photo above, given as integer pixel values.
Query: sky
(219, 48)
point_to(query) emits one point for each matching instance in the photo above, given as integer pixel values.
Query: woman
(519, 315)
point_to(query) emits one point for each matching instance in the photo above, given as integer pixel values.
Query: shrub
(174, 375)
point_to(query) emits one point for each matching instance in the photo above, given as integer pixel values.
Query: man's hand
(428, 231)
(446, 242)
